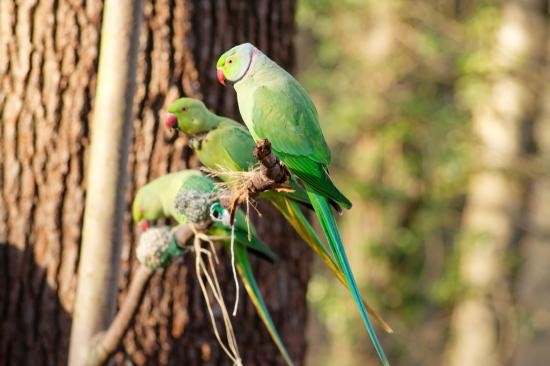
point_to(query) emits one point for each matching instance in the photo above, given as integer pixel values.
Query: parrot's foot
(271, 175)
(270, 165)
(262, 150)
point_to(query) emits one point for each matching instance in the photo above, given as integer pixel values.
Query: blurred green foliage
(395, 83)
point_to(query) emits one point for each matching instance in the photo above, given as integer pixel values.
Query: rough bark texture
(48, 62)
(484, 321)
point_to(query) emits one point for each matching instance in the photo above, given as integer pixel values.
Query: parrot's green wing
(300, 143)
(168, 186)
(243, 266)
(283, 112)
(316, 176)
(228, 146)
(155, 200)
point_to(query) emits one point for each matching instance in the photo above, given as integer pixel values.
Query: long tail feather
(242, 237)
(243, 266)
(294, 215)
(328, 223)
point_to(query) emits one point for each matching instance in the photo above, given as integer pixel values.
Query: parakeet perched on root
(189, 197)
(276, 107)
(225, 146)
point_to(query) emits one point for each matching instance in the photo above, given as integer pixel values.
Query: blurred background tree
(403, 91)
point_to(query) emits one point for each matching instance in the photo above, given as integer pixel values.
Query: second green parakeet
(185, 197)
(222, 143)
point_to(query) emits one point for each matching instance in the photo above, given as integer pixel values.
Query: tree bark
(483, 323)
(48, 62)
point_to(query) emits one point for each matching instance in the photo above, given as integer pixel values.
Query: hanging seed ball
(153, 246)
(194, 205)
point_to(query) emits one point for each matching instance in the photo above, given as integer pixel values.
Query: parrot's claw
(262, 149)
(284, 189)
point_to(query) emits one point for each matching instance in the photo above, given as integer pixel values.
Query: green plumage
(274, 106)
(221, 143)
(224, 144)
(150, 205)
(157, 200)
(215, 149)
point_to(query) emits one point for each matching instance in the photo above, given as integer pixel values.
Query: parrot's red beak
(221, 77)
(144, 225)
(171, 121)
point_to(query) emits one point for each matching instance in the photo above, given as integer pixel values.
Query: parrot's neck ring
(249, 67)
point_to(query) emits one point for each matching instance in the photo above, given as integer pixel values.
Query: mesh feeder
(157, 246)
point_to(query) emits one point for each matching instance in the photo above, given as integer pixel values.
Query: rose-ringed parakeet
(222, 143)
(276, 107)
(185, 196)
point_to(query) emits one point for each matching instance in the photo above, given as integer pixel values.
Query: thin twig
(112, 338)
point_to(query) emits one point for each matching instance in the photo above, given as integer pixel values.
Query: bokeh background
(438, 116)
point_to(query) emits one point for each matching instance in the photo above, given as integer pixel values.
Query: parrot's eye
(184, 109)
(230, 61)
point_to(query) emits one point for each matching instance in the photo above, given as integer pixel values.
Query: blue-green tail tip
(328, 224)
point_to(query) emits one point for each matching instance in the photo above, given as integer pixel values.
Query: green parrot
(224, 143)
(155, 200)
(158, 199)
(276, 107)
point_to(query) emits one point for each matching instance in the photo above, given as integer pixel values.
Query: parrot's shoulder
(229, 146)
(228, 124)
(229, 132)
(288, 118)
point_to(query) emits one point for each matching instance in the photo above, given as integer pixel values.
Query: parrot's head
(235, 63)
(146, 207)
(187, 115)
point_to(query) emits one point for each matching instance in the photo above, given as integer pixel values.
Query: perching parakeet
(158, 199)
(276, 107)
(222, 143)
(155, 200)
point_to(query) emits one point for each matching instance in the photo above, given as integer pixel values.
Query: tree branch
(106, 343)
(98, 270)
(111, 339)
(271, 175)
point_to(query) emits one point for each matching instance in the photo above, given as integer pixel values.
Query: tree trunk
(532, 290)
(98, 269)
(483, 322)
(48, 62)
